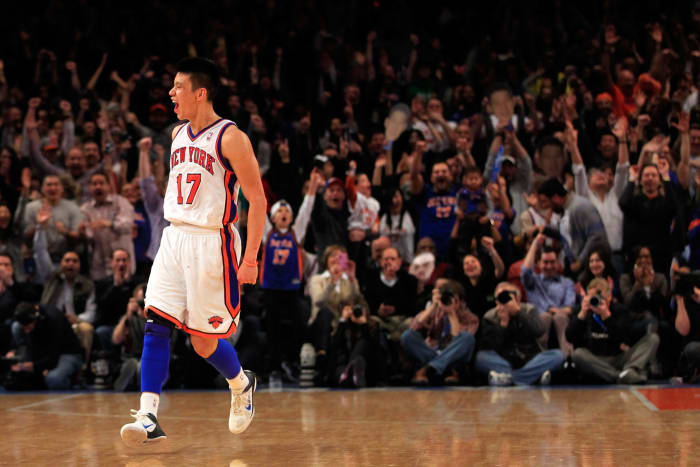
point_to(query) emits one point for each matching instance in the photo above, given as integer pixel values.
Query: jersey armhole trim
(222, 160)
(179, 130)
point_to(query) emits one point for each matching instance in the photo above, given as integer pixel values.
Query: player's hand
(247, 274)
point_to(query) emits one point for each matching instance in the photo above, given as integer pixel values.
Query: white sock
(149, 403)
(238, 383)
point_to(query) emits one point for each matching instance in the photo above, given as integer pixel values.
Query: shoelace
(139, 415)
(240, 403)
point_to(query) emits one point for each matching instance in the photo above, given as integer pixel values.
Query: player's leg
(213, 301)
(166, 304)
(155, 360)
(221, 355)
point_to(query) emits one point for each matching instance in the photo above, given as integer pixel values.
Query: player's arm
(236, 148)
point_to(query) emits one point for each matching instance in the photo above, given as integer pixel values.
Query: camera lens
(503, 297)
(595, 301)
(446, 296)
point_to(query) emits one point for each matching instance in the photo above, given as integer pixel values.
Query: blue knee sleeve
(225, 359)
(155, 357)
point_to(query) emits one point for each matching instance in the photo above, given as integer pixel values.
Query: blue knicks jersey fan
(282, 266)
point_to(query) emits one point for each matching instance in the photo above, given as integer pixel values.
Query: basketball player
(195, 281)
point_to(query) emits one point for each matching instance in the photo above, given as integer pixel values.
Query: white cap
(275, 207)
(422, 266)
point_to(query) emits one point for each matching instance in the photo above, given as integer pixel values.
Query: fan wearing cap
(581, 224)
(329, 217)
(281, 276)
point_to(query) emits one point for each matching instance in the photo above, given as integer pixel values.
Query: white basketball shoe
(144, 430)
(242, 408)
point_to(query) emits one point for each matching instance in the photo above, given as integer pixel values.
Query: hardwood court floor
(509, 427)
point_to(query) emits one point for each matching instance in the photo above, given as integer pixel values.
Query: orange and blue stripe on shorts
(230, 263)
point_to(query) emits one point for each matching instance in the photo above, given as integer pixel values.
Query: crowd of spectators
(502, 193)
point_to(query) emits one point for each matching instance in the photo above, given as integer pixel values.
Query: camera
(504, 296)
(357, 311)
(446, 296)
(686, 282)
(596, 300)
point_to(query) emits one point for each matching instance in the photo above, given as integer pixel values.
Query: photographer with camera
(128, 334)
(441, 337)
(552, 294)
(54, 354)
(355, 354)
(599, 334)
(509, 352)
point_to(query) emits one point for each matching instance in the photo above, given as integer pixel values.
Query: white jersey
(202, 187)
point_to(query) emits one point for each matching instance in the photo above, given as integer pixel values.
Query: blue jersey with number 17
(438, 217)
(281, 262)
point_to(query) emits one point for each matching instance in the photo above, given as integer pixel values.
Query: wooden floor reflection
(509, 427)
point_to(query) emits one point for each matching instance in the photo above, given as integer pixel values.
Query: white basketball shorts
(193, 281)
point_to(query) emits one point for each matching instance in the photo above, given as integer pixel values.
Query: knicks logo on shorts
(215, 321)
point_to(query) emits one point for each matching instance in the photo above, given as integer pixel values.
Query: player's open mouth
(175, 106)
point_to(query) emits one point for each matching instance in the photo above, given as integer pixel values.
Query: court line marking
(45, 401)
(643, 399)
(262, 420)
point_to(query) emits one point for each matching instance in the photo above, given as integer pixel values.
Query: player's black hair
(203, 73)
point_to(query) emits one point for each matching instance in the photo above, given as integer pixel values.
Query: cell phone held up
(343, 261)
